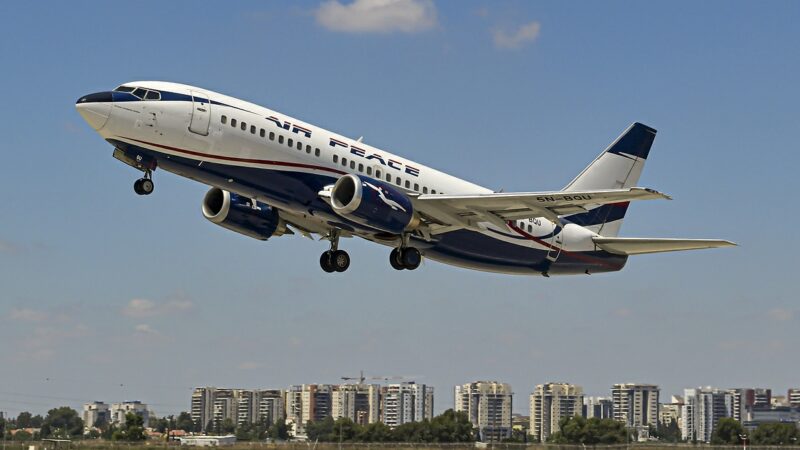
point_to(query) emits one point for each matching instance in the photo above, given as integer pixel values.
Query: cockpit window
(124, 89)
(139, 92)
(153, 95)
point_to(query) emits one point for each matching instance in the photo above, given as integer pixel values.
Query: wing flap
(640, 246)
(467, 211)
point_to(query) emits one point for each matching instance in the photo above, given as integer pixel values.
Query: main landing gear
(334, 260)
(408, 258)
(144, 185)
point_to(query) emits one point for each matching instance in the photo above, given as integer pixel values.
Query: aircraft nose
(95, 108)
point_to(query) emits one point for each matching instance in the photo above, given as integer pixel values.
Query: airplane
(273, 175)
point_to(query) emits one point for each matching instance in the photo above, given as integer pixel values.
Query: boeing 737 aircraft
(272, 175)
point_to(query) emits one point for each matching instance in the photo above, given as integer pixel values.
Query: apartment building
(488, 405)
(636, 405)
(406, 402)
(702, 410)
(549, 404)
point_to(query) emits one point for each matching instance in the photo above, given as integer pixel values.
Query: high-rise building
(406, 402)
(636, 405)
(358, 402)
(488, 405)
(308, 403)
(745, 400)
(119, 410)
(793, 397)
(599, 407)
(702, 410)
(550, 403)
(96, 414)
(211, 406)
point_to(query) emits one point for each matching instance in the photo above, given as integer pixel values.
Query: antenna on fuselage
(360, 139)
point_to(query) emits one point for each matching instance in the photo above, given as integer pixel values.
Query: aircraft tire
(340, 260)
(394, 260)
(411, 258)
(326, 263)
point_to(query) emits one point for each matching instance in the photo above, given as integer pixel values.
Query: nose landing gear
(334, 260)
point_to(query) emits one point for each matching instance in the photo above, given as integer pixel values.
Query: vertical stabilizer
(619, 166)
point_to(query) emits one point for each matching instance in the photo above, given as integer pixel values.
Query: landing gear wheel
(394, 259)
(410, 257)
(137, 187)
(326, 262)
(147, 186)
(340, 260)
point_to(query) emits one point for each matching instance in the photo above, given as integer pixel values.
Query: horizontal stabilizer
(639, 246)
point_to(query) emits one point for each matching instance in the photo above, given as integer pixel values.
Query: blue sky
(105, 295)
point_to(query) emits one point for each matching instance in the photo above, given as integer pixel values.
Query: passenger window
(344, 162)
(530, 228)
(316, 151)
(360, 167)
(389, 177)
(280, 139)
(233, 123)
(377, 173)
(224, 119)
(397, 181)
(244, 126)
(416, 187)
(252, 129)
(290, 142)
(271, 136)
(263, 132)
(352, 164)
(369, 170)
(308, 149)
(424, 189)
(336, 158)
(153, 95)
(433, 191)
(299, 145)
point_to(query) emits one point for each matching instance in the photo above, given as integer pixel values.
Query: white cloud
(377, 16)
(141, 307)
(144, 328)
(780, 314)
(28, 315)
(510, 40)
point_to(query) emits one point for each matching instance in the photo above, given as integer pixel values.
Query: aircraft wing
(639, 246)
(453, 212)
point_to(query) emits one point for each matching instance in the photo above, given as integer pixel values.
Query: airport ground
(112, 445)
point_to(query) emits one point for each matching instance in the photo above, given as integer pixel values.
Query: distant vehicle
(272, 175)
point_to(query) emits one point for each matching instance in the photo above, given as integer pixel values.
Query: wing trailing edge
(640, 246)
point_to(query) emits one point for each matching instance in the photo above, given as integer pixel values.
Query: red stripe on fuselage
(576, 255)
(246, 160)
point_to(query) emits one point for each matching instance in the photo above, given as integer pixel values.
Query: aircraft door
(556, 243)
(201, 113)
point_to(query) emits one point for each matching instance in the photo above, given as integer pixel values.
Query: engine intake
(372, 203)
(237, 213)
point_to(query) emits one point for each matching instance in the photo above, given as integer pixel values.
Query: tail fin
(619, 166)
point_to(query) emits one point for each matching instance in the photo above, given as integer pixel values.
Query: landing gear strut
(144, 185)
(405, 258)
(334, 260)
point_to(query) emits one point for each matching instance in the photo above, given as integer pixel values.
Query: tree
(578, 430)
(132, 430)
(62, 422)
(24, 420)
(227, 426)
(321, 430)
(22, 435)
(185, 422)
(776, 434)
(451, 426)
(727, 431)
(278, 431)
(667, 432)
(374, 432)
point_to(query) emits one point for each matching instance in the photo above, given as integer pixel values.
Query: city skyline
(107, 295)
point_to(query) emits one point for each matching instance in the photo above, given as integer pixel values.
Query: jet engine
(242, 215)
(372, 203)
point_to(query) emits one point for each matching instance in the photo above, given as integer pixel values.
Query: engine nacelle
(237, 213)
(372, 203)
